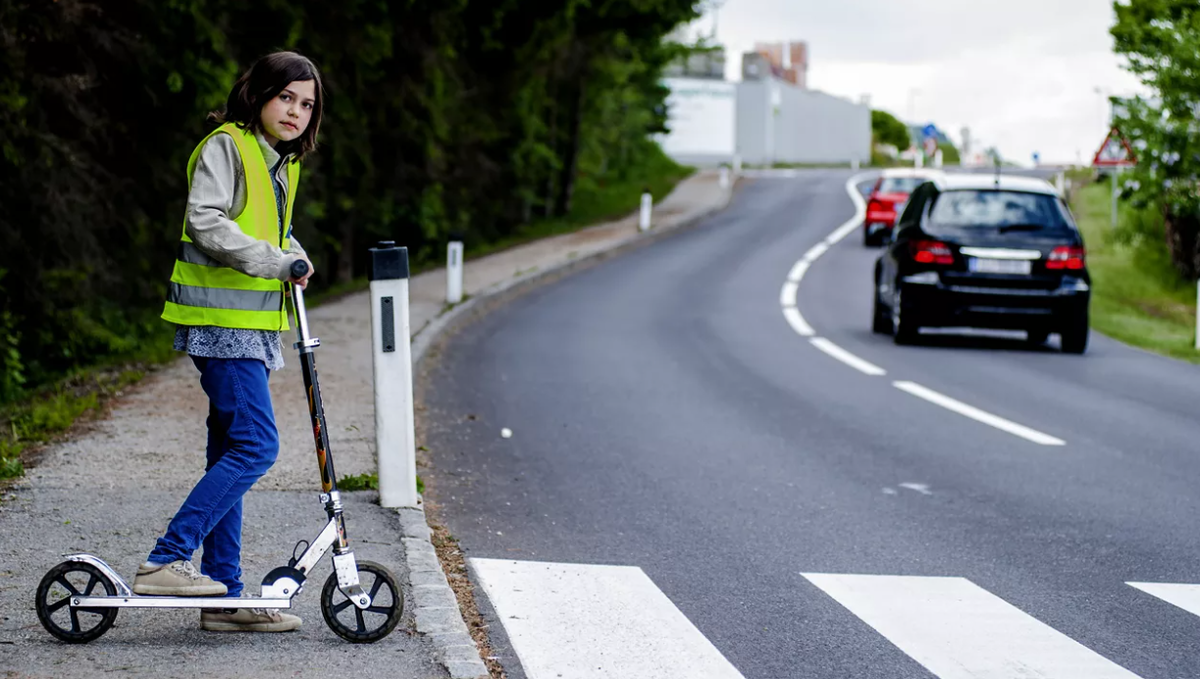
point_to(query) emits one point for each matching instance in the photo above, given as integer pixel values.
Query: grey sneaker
(247, 620)
(179, 578)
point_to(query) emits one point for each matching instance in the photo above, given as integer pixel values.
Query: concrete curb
(435, 607)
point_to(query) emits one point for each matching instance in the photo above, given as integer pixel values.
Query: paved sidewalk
(112, 489)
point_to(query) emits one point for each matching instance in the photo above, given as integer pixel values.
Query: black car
(985, 251)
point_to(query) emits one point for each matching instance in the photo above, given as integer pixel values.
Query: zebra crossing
(597, 621)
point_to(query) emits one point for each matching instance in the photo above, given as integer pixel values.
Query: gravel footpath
(112, 488)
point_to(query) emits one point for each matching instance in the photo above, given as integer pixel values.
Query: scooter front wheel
(60, 584)
(363, 626)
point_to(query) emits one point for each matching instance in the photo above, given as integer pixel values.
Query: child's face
(286, 116)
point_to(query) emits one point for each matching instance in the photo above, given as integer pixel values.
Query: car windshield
(900, 184)
(1004, 210)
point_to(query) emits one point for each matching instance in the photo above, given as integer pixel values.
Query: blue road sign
(930, 130)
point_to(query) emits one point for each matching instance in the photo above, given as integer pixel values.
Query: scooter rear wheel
(74, 625)
(356, 625)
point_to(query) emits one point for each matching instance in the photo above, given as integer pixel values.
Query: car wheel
(1038, 337)
(1075, 337)
(882, 323)
(905, 330)
(867, 240)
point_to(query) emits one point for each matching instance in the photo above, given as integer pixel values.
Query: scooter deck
(175, 602)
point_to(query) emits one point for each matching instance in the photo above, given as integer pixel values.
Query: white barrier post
(854, 165)
(737, 165)
(724, 177)
(1198, 314)
(395, 435)
(647, 207)
(937, 158)
(1060, 183)
(454, 272)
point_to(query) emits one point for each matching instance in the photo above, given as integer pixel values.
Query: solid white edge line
(794, 319)
(815, 252)
(787, 296)
(978, 415)
(798, 270)
(846, 357)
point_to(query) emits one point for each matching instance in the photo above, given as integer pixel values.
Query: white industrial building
(764, 119)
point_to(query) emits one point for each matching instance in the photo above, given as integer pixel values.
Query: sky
(1021, 74)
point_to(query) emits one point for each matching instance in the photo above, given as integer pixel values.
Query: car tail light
(881, 211)
(931, 252)
(1068, 257)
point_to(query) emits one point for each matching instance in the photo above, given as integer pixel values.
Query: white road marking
(958, 630)
(797, 322)
(815, 252)
(979, 415)
(787, 296)
(918, 487)
(798, 270)
(849, 227)
(588, 622)
(1186, 597)
(847, 357)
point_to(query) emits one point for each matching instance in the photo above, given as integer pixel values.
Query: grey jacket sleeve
(216, 179)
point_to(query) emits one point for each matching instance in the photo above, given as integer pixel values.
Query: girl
(227, 299)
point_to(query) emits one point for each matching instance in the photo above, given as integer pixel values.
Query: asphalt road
(666, 416)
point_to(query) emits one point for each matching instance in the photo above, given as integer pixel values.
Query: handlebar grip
(299, 268)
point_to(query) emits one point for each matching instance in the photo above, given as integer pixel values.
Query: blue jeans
(243, 443)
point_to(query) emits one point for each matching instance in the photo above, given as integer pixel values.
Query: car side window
(911, 216)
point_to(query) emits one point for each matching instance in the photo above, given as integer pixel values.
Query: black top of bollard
(388, 262)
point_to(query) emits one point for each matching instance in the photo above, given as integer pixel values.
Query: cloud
(1021, 74)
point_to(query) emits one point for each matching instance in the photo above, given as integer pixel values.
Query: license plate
(1002, 266)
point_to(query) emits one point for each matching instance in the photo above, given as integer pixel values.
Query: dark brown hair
(263, 82)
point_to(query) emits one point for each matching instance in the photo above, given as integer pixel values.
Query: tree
(1161, 42)
(888, 130)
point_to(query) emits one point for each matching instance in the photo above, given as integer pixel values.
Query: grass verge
(369, 482)
(597, 201)
(1137, 296)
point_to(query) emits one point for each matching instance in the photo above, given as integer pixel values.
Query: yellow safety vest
(206, 292)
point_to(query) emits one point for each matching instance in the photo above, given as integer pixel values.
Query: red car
(887, 199)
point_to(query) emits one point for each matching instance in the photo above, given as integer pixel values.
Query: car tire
(1075, 337)
(882, 322)
(905, 331)
(867, 240)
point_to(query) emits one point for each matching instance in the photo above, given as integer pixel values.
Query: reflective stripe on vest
(204, 291)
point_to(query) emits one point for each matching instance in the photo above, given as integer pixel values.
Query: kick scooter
(78, 600)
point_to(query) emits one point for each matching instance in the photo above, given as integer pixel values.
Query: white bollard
(724, 178)
(395, 433)
(737, 165)
(647, 208)
(854, 165)
(1060, 183)
(938, 159)
(919, 160)
(454, 272)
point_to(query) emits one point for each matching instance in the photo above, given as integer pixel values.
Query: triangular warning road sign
(1115, 151)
